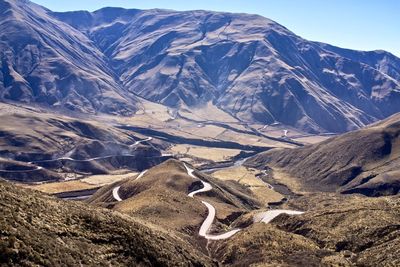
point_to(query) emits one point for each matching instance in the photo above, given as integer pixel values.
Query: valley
(157, 137)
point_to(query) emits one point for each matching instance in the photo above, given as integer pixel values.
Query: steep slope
(39, 230)
(248, 65)
(365, 161)
(46, 61)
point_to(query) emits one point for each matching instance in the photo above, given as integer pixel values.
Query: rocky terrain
(45, 61)
(364, 161)
(249, 66)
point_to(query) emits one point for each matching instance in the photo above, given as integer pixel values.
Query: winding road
(141, 174)
(268, 216)
(141, 141)
(116, 189)
(264, 217)
(267, 184)
(206, 225)
(92, 159)
(115, 193)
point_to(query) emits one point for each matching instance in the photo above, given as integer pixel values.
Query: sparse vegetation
(39, 230)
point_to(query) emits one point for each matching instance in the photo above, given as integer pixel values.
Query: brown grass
(246, 177)
(214, 154)
(58, 187)
(101, 180)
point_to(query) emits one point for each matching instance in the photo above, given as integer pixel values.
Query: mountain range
(113, 59)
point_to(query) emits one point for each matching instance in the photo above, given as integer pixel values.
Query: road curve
(116, 189)
(268, 216)
(206, 225)
(206, 187)
(267, 184)
(141, 141)
(115, 193)
(141, 175)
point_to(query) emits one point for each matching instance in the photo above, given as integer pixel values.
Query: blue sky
(355, 24)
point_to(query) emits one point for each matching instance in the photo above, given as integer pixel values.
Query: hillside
(36, 145)
(335, 230)
(364, 161)
(39, 230)
(161, 227)
(160, 196)
(248, 66)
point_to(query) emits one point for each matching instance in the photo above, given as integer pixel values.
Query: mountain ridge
(249, 66)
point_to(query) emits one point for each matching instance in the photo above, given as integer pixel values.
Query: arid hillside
(154, 221)
(364, 161)
(335, 230)
(160, 196)
(41, 230)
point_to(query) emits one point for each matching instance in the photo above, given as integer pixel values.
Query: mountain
(364, 161)
(45, 61)
(247, 65)
(39, 146)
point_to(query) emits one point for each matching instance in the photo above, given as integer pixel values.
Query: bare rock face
(248, 65)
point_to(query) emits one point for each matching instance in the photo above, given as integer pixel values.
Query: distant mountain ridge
(249, 66)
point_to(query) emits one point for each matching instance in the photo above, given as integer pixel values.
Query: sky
(354, 24)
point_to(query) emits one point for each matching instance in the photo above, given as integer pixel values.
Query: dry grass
(158, 117)
(246, 177)
(161, 198)
(214, 154)
(83, 184)
(247, 139)
(207, 112)
(58, 187)
(208, 131)
(101, 180)
(312, 139)
(291, 182)
(37, 230)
